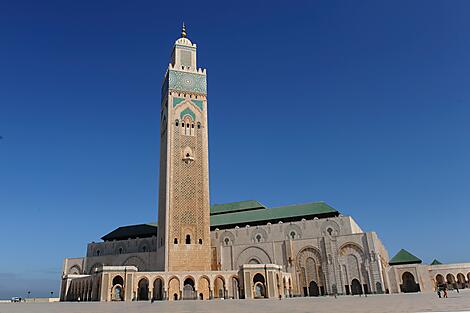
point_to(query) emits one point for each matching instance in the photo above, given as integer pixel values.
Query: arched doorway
(461, 280)
(203, 287)
(219, 288)
(235, 288)
(450, 281)
(313, 289)
(158, 289)
(409, 283)
(173, 288)
(259, 287)
(188, 289)
(356, 288)
(117, 289)
(143, 290)
(440, 282)
(378, 287)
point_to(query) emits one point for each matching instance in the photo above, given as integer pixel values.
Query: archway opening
(461, 280)
(409, 283)
(203, 287)
(219, 288)
(117, 289)
(450, 278)
(259, 287)
(174, 288)
(143, 290)
(235, 288)
(313, 289)
(356, 288)
(158, 289)
(188, 289)
(440, 282)
(378, 287)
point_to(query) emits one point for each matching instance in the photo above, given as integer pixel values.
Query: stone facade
(323, 256)
(251, 252)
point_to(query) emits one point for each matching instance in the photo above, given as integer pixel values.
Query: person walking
(445, 292)
(438, 291)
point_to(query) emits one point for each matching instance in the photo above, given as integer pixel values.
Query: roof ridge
(304, 203)
(237, 202)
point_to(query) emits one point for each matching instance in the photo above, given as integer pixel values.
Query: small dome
(184, 41)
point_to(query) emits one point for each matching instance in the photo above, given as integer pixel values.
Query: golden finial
(183, 31)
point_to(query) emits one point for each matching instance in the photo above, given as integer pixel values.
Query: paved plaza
(374, 303)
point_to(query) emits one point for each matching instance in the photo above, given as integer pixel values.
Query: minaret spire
(183, 31)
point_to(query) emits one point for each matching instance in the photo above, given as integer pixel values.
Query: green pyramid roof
(404, 257)
(435, 262)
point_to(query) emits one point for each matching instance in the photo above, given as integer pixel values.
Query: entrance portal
(313, 289)
(409, 283)
(356, 288)
(188, 290)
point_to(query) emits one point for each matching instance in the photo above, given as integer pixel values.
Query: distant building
(235, 250)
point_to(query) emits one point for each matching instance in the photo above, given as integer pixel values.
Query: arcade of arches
(198, 251)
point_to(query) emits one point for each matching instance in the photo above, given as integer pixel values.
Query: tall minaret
(183, 208)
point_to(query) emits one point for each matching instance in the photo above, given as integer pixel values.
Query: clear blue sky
(362, 104)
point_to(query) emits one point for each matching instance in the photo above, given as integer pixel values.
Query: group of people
(443, 289)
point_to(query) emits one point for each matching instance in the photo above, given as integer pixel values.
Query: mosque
(241, 250)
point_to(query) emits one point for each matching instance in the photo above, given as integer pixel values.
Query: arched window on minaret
(188, 239)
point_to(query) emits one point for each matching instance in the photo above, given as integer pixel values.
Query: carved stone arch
(94, 267)
(351, 248)
(144, 245)
(120, 249)
(353, 258)
(189, 276)
(139, 278)
(309, 267)
(253, 252)
(293, 228)
(259, 235)
(97, 251)
(227, 235)
(173, 287)
(158, 277)
(135, 261)
(308, 251)
(188, 230)
(330, 228)
(75, 270)
(204, 286)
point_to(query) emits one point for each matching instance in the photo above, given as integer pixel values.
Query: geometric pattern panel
(191, 82)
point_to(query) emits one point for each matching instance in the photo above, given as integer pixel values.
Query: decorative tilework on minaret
(183, 210)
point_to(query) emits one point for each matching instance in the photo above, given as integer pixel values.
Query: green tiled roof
(404, 257)
(236, 207)
(241, 213)
(435, 262)
(283, 213)
(131, 231)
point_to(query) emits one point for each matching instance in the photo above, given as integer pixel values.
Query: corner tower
(183, 208)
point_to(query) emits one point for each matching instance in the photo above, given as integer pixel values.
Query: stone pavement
(374, 303)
